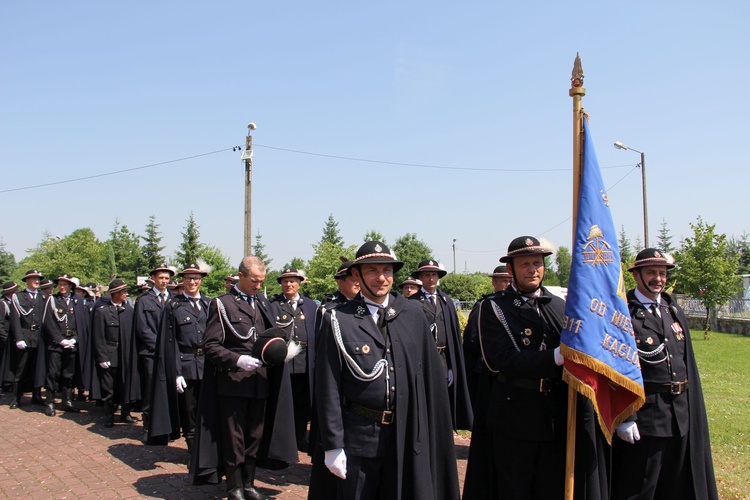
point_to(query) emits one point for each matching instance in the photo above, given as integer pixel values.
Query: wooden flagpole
(576, 92)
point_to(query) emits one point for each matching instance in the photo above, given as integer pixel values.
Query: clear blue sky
(479, 89)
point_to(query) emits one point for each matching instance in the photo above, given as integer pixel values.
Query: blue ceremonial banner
(601, 358)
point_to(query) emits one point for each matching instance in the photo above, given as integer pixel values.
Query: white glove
(21, 344)
(105, 364)
(559, 359)
(66, 343)
(181, 384)
(450, 377)
(628, 431)
(248, 363)
(336, 462)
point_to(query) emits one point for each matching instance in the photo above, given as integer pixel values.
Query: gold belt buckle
(387, 418)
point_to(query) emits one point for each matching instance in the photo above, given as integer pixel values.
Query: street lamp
(620, 145)
(454, 255)
(247, 157)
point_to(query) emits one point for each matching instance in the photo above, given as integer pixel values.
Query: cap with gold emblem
(430, 266)
(525, 245)
(651, 257)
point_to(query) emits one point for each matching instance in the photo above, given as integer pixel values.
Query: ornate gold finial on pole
(576, 79)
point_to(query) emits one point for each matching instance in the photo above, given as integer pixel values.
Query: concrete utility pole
(248, 157)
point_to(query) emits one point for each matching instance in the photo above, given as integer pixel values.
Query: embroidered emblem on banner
(597, 251)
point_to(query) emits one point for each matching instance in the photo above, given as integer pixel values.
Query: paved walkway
(75, 456)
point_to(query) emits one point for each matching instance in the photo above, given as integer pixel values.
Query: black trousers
(527, 470)
(146, 371)
(242, 428)
(25, 365)
(301, 400)
(369, 479)
(652, 468)
(188, 402)
(61, 368)
(109, 380)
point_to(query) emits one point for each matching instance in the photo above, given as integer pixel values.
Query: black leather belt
(675, 388)
(384, 417)
(113, 344)
(542, 384)
(187, 350)
(441, 348)
(71, 333)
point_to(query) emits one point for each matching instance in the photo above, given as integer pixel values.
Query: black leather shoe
(49, 410)
(13, 405)
(128, 419)
(37, 400)
(252, 494)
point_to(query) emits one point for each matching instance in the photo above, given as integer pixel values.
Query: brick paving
(74, 456)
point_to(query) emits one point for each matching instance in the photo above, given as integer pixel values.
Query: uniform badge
(236, 299)
(650, 340)
(283, 317)
(302, 316)
(526, 341)
(365, 349)
(187, 318)
(361, 310)
(59, 311)
(391, 312)
(517, 302)
(527, 332)
(677, 329)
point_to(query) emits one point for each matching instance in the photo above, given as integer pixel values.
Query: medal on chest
(679, 334)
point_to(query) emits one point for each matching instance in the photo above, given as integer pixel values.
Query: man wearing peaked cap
(519, 436)
(115, 354)
(410, 286)
(244, 404)
(9, 289)
(664, 450)
(442, 317)
(65, 323)
(179, 361)
(147, 315)
(25, 326)
(501, 278)
(384, 424)
(295, 313)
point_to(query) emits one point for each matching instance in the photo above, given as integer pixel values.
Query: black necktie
(293, 304)
(196, 305)
(382, 325)
(655, 310)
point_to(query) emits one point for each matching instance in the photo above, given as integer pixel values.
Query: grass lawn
(724, 366)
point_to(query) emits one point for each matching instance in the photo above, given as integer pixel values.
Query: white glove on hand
(248, 363)
(67, 343)
(21, 344)
(336, 462)
(559, 359)
(450, 377)
(181, 384)
(628, 431)
(105, 364)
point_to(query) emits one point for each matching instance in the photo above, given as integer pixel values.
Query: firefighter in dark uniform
(239, 398)
(442, 317)
(65, 319)
(115, 354)
(348, 288)
(148, 313)
(180, 361)
(381, 400)
(295, 314)
(410, 286)
(522, 420)
(25, 326)
(663, 451)
(6, 303)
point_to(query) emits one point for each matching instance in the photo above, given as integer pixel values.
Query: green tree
(331, 232)
(411, 251)
(321, 268)
(563, 261)
(550, 272)
(7, 263)
(219, 268)
(707, 271)
(373, 235)
(466, 287)
(151, 249)
(125, 253)
(190, 248)
(79, 254)
(741, 248)
(259, 250)
(664, 241)
(626, 252)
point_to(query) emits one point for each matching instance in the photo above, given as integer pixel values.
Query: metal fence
(735, 308)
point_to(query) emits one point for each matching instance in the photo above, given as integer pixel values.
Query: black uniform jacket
(28, 327)
(424, 438)
(182, 330)
(148, 312)
(221, 377)
(701, 463)
(6, 375)
(55, 331)
(284, 313)
(523, 412)
(110, 326)
(463, 415)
